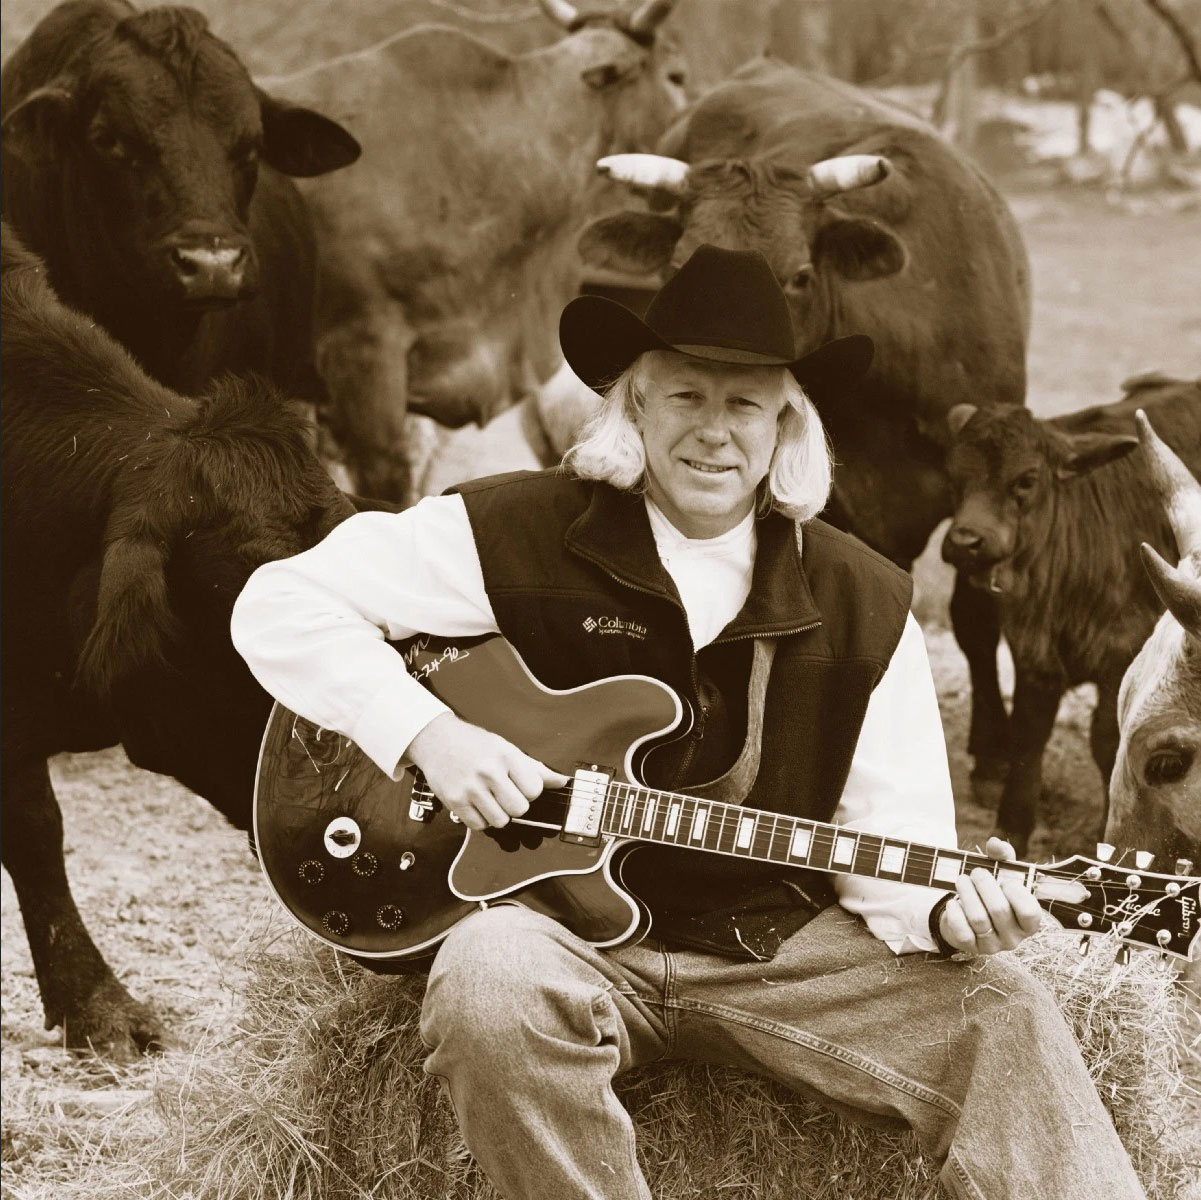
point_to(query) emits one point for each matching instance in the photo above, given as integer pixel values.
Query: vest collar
(614, 533)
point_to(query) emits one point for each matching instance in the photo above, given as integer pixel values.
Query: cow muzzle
(970, 551)
(212, 272)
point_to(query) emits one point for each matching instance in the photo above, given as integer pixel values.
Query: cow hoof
(115, 1026)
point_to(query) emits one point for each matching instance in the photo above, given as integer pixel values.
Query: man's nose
(714, 425)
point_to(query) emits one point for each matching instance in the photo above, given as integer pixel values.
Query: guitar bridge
(586, 807)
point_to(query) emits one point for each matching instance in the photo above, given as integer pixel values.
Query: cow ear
(34, 129)
(638, 243)
(1088, 451)
(858, 249)
(134, 621)
(301, 142)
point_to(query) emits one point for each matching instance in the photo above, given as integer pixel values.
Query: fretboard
(672, 819)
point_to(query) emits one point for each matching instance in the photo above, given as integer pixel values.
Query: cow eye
(1024, 484)
(677, 78)
(106, 142)
(802, 278)
(1167, 765)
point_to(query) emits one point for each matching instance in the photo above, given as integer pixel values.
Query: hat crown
(728, 299)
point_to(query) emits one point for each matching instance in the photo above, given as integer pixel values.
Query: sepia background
(1088, 115)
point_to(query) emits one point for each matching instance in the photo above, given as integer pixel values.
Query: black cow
(132, 517)
(143, 165)
(872, 223)
(1049, 520)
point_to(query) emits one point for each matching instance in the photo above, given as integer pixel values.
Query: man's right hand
(480, 777)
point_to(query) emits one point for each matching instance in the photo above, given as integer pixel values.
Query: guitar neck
(673, 819)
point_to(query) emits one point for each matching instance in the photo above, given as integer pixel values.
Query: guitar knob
(311, 871)
(1123, 956)
(1184, 866)
(407, 859)
(388, 916)
(364, 864)
(1104, 851)
(1163, 937)
(336, 922)
(1082, 948)
(1143, 859)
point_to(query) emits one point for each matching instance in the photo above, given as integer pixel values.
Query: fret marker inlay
(892, 860)
(799, 846)
(844, 850)
(698, 824)
(673, 819)
(746, 830)
(947, 869)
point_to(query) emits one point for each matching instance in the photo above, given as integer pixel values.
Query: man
(680, 541)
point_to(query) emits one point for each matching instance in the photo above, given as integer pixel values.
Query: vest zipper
(698, 728)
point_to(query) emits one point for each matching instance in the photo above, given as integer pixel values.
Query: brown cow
(873, 224)
(448, 252)
(132, 517)
(1049, 515)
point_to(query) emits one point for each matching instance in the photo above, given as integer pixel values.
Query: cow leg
(1035, 704)
(1104, 736)
(365, 366)
(976, 623)
(79, 991)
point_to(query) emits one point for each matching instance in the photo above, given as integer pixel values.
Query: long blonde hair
(609, 447)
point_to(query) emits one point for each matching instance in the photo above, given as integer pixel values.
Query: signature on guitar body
(378, 867)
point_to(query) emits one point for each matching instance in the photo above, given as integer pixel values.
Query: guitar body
(377, 866)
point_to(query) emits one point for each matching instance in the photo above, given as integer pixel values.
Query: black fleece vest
(577, 586)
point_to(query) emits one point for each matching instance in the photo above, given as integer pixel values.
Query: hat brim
(600, 338)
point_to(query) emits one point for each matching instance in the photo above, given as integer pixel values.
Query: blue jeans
(527, 1025)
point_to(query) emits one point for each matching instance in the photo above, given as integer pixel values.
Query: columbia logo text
(615, 625)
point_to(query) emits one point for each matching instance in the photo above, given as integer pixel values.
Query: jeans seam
(671, 1023)
(830, 1049)
(956, 1168)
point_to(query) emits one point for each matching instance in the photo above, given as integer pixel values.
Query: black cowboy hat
(724, 306)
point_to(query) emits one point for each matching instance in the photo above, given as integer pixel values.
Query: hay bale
(321, 1095)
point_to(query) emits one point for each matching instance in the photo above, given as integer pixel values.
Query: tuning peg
(1082, 948)
(1184, 866)
(1104, 851)
(1143, 859)
(1163, 936)
(1123, 956)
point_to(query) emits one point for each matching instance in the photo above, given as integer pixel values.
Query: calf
(146, 169)
(1155, 789)
(1047, 520)
(132, 517)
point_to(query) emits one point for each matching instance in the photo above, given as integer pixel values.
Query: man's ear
(36, 128)
(857, 248)
(301, 142)
(1088, 451)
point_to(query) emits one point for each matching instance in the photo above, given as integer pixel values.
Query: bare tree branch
(1172, 20)
(1024, 20)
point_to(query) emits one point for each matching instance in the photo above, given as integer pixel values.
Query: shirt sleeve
(312, 628)
(899, 786)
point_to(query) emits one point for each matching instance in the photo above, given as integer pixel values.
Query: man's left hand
(988, 914)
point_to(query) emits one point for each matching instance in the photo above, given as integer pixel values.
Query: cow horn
(561, 12)
(645, 19)
(643, 173)
(1179, 491)
(847, 172)
(1178, 591)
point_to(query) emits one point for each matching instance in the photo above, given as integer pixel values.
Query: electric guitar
(379, 868)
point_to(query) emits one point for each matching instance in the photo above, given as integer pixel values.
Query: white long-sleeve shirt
(313, 627)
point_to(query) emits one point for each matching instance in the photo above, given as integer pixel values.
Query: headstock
(1136, 906)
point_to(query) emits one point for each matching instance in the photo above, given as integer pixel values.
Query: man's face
(709, 431)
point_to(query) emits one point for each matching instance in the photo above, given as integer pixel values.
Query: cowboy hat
(723, 306)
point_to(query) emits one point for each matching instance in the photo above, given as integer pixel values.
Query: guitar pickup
(586, 806)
